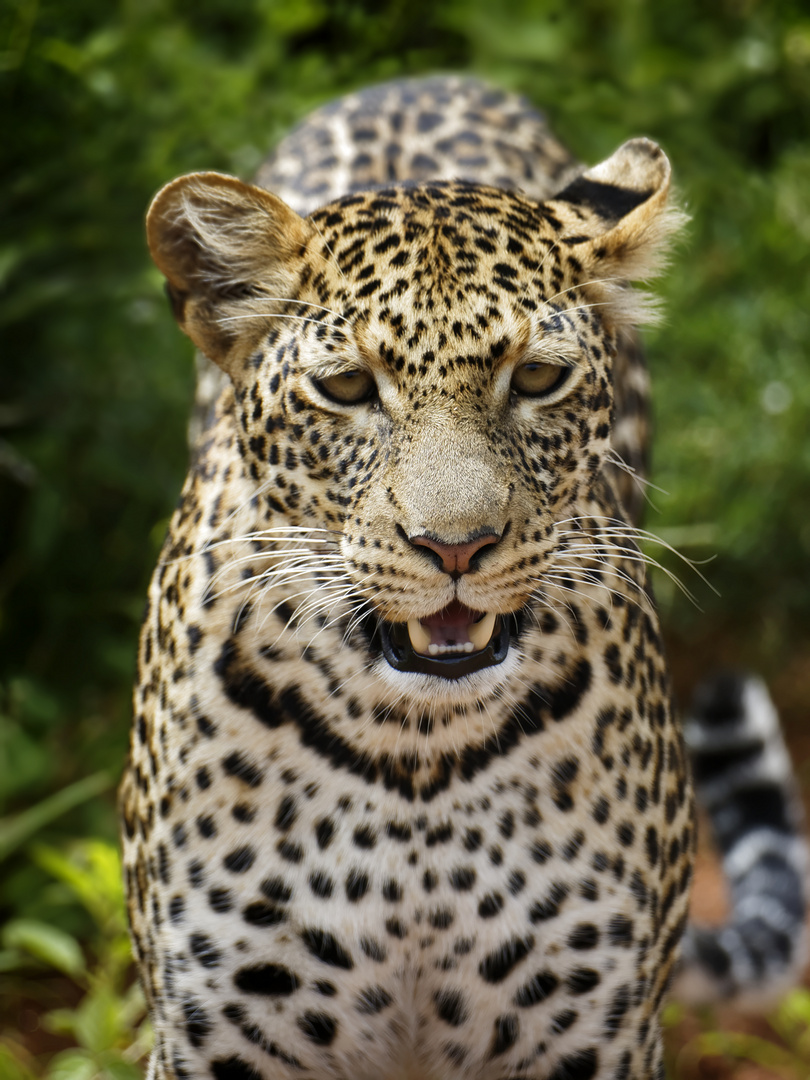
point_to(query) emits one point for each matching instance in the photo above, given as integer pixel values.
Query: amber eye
(536, 379)
(348, 387)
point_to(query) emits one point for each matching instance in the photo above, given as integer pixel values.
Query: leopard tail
(745, 785)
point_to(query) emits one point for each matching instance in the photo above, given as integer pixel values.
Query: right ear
(223, 245)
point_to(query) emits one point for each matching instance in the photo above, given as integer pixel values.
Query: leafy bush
(106, 1026)
(783, 1049)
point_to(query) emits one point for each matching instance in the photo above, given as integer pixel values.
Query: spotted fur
(340, 868)
(744, 781)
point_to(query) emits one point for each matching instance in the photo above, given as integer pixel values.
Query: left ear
(617, 216)
(228, 250)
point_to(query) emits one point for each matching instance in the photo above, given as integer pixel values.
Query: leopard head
(425, 371)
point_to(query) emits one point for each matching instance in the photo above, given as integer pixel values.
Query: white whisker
(270, 315)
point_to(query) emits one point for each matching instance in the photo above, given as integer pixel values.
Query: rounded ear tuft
(206, 229)
(639, 165)
(636, 177)
(618, 219)
(219, 241)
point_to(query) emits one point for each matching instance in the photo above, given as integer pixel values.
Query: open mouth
(453, 642)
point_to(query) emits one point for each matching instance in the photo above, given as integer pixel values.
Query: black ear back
(618, 219)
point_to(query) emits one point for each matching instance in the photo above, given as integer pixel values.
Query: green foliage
(102, 103)
(47, 943)
(106, 1027)
(786, 1056)
(21, 827)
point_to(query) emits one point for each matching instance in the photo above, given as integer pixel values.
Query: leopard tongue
(456, 629)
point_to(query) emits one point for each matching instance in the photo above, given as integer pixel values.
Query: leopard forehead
(440, 284)
(438, 290)
(462, 256)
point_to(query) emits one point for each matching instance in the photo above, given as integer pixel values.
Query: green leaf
(96, 1021)
(92, 871)
(11, 1068)
(47, 943)
(72, 1065)
(18, 829)
(133, 1005)
(745, 1047)
(119, 1069)
(792, 1021)
(796, 1006)
(9, 960)
(59, 1021)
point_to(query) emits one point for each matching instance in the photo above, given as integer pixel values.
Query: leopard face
(425, 373)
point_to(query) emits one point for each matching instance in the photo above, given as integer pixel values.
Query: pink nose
(456, 558)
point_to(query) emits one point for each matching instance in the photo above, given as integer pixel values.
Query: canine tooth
(420, 637)
(479, 633)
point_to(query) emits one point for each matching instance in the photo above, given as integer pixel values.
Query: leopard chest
(517, 906)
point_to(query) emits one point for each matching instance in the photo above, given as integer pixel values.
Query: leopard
(407, 796)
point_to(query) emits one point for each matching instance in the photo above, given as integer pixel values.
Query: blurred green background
(103, 102)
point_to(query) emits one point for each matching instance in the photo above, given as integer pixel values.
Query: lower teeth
(479, 634)
(436, 650)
